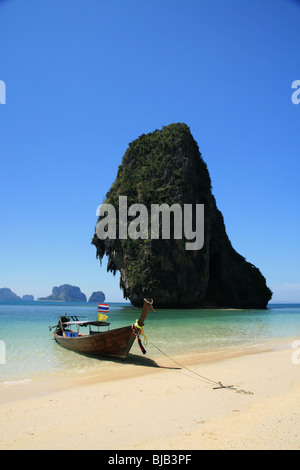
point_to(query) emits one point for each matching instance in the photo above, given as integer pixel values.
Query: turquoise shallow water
(30, 350)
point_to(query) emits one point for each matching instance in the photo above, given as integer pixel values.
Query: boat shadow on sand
(143, 361)
(132, 359)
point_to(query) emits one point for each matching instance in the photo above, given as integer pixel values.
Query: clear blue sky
(85, 78)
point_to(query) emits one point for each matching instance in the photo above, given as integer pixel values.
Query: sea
(28, 350)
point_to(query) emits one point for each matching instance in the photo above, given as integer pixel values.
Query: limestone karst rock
(7, 294)
(66, 293)
(97, 296)
(166, 166)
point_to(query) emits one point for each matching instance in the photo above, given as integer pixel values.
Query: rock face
(27, 297)
(98, 296)
(66, 293)
(166, 166)
(7, 294)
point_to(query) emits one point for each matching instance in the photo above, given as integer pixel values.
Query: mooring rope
(219, 384)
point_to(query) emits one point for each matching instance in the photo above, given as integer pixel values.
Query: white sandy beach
(161, 408)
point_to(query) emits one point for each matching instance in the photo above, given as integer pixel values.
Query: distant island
(27, 297)
(63, 293)
(98, 296)
(66, 293)
(8, 294)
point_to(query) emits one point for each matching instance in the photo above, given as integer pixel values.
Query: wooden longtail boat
(112, 343)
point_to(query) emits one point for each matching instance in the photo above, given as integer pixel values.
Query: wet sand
(161, 405)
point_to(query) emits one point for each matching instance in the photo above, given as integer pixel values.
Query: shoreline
(164, 407)
(135, 365)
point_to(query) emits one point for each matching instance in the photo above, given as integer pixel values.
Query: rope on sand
(219, 384)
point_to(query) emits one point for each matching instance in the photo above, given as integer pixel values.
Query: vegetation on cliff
(166, 166)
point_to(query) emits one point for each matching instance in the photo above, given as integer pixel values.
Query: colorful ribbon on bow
(138, 330)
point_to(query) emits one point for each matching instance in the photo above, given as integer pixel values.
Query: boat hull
(115, 343)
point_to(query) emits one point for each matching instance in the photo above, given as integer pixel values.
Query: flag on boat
(102, 309)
